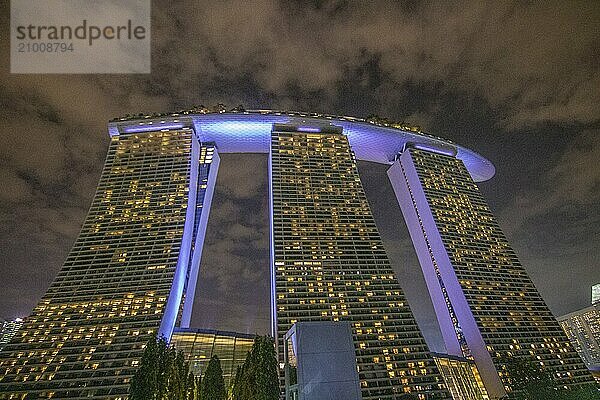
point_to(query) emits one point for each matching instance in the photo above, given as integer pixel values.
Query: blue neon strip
(149, 128)
(435, 149)
(308, 129)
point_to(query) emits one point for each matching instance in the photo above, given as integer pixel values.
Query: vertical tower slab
(486, 304)
(329, 264)
(123, 280)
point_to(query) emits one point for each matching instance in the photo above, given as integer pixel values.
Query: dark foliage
(213, 385)
(163, 374)
(257, 378)
(532, 382)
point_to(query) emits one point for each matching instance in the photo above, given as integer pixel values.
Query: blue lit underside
(250, 132)
(308, 129)
(151, 127)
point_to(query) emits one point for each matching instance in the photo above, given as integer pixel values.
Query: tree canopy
(257, 378)
(213, 385)
(163, 374)
(530, 381)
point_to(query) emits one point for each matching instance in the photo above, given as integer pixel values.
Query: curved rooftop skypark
(249, 131)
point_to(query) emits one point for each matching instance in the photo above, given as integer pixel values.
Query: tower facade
(123, 280)
(486, 304)
(132, 271)
(328, 263)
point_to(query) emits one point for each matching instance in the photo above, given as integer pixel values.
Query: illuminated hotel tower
(124, 278)
(329, 263)
(132, 271)
(486, 304)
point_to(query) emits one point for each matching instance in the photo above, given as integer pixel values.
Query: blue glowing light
(450, 151)
(150, 128)
(272, 251)
(308, 129)
(188, 304)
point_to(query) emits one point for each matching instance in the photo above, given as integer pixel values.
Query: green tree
(145, 380)
(257, 378)
(245, 377)
(586, 392)
(267, 377)
(192, 387)
(163, 374)
(178, 377)
(243, 380)
(235, 383)
(166, 359)
(530, 381)
(213, 385)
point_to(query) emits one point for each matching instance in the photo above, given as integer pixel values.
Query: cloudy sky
(517, 81)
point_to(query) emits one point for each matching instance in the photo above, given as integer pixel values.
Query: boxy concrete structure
(320, 362)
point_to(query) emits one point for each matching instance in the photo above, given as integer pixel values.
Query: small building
(8, 329)
(320, 362)
(583, 330)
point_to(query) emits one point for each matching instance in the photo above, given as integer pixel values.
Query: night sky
(519, 82)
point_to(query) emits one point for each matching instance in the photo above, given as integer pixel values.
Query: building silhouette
(583, 330)
(132, 271)
(8, 330)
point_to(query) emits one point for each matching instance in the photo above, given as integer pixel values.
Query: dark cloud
(553, 223)
(234, 272)
(517, 81)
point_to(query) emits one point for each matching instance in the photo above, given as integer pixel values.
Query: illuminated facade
(329, 263)
(486, 304)
(596, 293)
(462, 377)
(583, 330)
(132, 271)
(199, 345)
(8, 329)
(124, 278)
